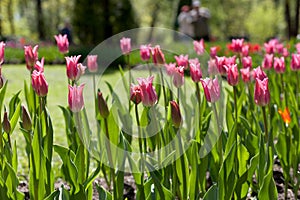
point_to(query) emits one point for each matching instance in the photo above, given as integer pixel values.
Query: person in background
(67, 30)
(185, 21)
(200, 16)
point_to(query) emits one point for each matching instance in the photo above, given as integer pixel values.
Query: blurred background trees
(92, 21)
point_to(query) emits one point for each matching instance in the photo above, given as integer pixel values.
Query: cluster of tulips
(219, 145)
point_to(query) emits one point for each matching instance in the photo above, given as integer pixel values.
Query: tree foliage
(101, 19)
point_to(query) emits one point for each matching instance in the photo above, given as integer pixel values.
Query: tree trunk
(107, 25)
(40, 20)
(287, 15)
(297, 17)
(10, 15)
(154, 19)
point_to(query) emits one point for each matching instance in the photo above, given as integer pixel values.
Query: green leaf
(2, 95)
(15, 117)
(103, 194)
(163, 192)
(212, 193)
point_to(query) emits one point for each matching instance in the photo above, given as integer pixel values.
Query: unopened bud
(26, 120)
(175, 114)
(102, 106)
(6, 123)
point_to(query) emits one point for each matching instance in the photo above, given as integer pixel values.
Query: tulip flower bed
(208, 126)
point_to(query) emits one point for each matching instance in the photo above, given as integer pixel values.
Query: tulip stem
(265, 122)
(142, 194)
(283, 90)
(220, 144)
(163, 87)
(199, 103)
(148, 66)
(297, 94)
(110, 160)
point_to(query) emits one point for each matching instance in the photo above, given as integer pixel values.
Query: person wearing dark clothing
(200, 17)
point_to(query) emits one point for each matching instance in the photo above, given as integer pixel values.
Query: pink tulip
(247, 62)
(199, 46)
(158, 56)
(170, 68)
(268, 61)
(232, 74)
(279, 65)
(279, 48)
(135, 94)
(193, 61)
(245, 50)
(246, 75)
(230, 60)
(92, 63)
(2, 48)
(195, 71)
(74, 69)
(221, 61)
(212, 67)
(182, 60)
(211, 89)
(213, 52)
(270, 47)
(285, 52)
(261, 92)
(258, 73)
(237, 44)
(149, 96)
(39, 65)
(175, 114)
(39, 83)
(145, 52)
(295, 62)
(75, 98)
(31, 56)
(178, 76)
(62, 43)
(125, 44)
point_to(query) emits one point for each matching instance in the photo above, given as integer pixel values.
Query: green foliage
(271, 22)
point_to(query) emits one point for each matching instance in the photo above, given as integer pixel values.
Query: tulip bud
(6, 123)
(178, 76)
(135, 94)
(102, 106)
(175, 114)
(26, 120)
(158, 56)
